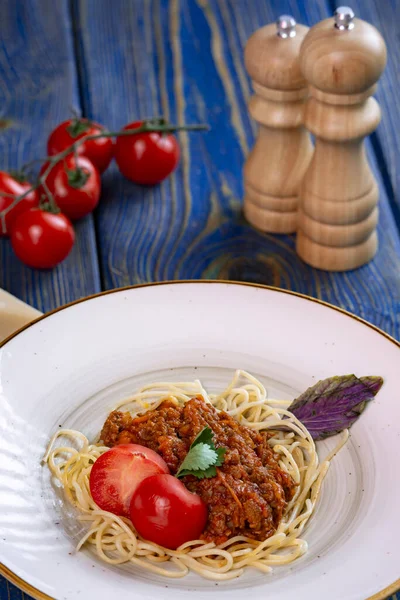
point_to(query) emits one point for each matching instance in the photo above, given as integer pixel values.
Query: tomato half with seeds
(146, 158)
(116, 474)
(9, 185)
(99, 151)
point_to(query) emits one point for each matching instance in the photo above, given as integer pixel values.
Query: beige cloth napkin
(14, 314)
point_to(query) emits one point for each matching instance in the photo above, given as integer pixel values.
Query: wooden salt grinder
(342, 59)
(276, 165)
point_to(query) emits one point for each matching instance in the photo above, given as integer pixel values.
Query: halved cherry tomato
(146, 158)
(42, 239)
(116, 474)
(9, 185)
(165, 512)
(75, 185)
(100, 151)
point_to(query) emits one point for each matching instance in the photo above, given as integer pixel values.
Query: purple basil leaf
(334, 404)
(373, 383)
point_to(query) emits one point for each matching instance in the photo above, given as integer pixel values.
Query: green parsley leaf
(199, 457)
(205, 474)
(204, 437)
(203, 457)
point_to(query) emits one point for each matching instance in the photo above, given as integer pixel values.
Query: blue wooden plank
(10, 592)
(38, 86)
(185, 60)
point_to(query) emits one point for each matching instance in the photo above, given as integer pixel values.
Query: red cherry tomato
(146, 158)
(75, 185)
(42, 239)
(165, 512)
(99, 151)
(9, 185)
(116, 474)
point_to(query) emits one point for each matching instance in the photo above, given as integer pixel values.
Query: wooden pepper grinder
(342, 59)
(276, 165)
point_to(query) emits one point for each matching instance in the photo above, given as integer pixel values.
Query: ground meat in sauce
(250, 492)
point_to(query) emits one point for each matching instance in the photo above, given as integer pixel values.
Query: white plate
(70, 367)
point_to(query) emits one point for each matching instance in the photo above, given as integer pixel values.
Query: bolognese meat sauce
(250, 492)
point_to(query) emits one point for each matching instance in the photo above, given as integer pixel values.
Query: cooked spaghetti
(216, 558)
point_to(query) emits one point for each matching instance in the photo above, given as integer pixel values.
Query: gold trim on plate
(37, 594)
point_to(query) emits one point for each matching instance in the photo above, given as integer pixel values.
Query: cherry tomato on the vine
(100, 151)
(146, 158)
(42, 239)
(75, 186)
(116, 474)
(9, 185)
(165, 512)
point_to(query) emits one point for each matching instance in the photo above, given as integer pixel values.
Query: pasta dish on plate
(182, 479)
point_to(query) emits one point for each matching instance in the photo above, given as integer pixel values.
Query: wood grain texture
(38, 87)
(10, 592)
(385, 15)
(275, 166)
(185, 60)
(342, 68)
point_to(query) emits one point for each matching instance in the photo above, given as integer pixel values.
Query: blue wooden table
(120, 60)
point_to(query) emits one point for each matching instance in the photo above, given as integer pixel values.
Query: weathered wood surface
(38, 86)
(185, 60)
(124, 60)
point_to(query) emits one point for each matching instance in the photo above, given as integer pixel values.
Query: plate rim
(39, 595)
